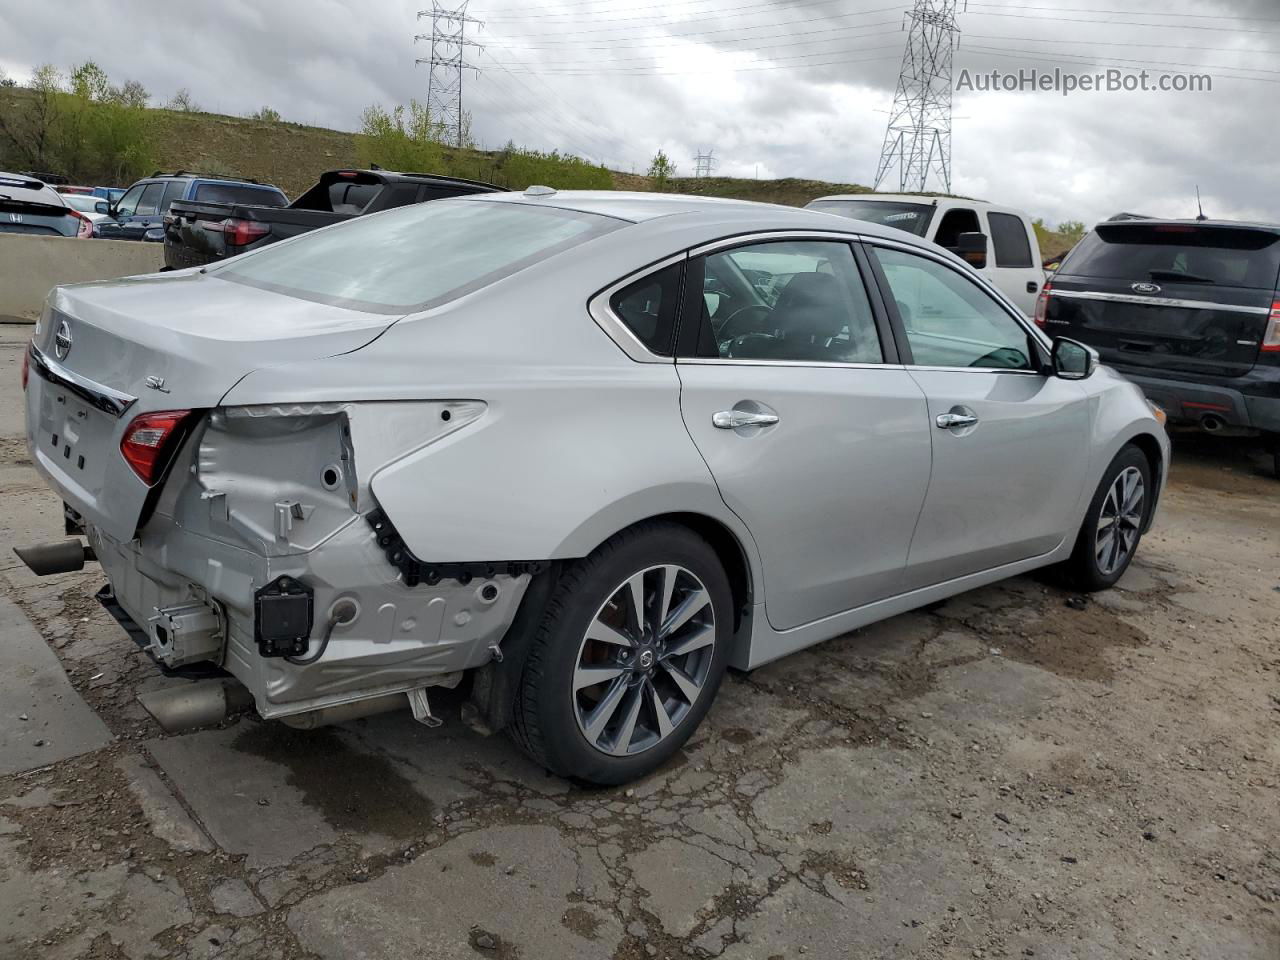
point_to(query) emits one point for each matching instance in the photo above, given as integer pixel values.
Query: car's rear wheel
(1113, 525)
(630, 652)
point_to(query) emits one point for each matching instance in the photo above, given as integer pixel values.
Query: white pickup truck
(996, 241)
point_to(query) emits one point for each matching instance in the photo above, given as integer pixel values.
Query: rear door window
(1171, 253)
(173, 190)
(648, 308)
(149, 202)
(1009, 237)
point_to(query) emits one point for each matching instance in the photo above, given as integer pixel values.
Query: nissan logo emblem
(1145, 288)
(62, 340)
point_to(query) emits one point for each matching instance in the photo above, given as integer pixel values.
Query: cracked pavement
(1000, 776)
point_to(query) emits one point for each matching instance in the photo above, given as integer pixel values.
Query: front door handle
(732, 419)
(947, 421)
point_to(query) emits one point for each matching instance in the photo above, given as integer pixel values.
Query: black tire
(1083, 570)
(544, 717)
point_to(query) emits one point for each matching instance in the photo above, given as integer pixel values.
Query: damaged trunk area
(262, 552)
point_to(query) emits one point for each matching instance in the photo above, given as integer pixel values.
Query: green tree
(661, 170)
(33, 128)
(400, 138)
(267, 114)
(1073, 230)
(89, 82)
(6, 80)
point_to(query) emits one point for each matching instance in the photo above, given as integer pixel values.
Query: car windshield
(415, 257)
(910, 217)
(1174, 253)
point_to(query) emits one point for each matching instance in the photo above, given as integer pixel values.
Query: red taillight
(85, 230)
(242, 232)
(1271, 339)
(1042, 305)
(148, 439)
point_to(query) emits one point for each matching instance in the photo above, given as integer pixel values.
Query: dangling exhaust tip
(65, 556)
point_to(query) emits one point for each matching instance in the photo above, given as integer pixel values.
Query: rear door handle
(946, 421)
(732, 419)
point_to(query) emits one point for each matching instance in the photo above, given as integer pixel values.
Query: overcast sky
(784, 88)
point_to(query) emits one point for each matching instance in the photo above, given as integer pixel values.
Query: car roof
(904, 198)
(635, 207)
(20, 187)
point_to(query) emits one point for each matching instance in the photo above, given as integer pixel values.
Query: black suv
(1187, 309)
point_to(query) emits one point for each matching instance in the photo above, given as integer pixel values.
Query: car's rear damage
(263, 551)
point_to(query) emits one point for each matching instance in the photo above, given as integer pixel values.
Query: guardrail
(31, 266)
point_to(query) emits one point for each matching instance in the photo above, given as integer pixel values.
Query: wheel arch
(1150, 447)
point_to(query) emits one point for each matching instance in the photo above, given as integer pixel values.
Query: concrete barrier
(31, 266)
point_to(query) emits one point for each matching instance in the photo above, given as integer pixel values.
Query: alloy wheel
(644, 660)
(1120, 521)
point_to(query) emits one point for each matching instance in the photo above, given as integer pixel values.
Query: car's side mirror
(1072, 360)
(102, 207)
(972, 249)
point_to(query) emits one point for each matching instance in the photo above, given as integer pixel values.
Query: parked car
(66, 188)
(1187, 309)
(590, 447)
(86, 204)
(32, 206)
(142, 207)
(196, 233)
(997, 241)
(110, 194)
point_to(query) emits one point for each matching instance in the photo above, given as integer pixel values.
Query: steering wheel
(752, 314)
(1005, 358)
(734, 348)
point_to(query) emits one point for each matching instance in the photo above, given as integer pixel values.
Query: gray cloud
(794, 88)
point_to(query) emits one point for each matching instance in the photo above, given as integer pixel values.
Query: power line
(623, 43)
(1118, 43)
(557, 31)
(763, 51)
(1074, 59)
(1122, 23)
(1128, 13)
(633, 72)
(664, 15)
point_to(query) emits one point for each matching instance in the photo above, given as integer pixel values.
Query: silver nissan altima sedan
(584, 450)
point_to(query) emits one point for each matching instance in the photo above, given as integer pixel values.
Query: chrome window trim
(1156, 301)
(770, 236)
(96, 394)
(744, 362)
(987, 287)
(601, 311)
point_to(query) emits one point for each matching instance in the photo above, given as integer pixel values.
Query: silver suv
(584, 449)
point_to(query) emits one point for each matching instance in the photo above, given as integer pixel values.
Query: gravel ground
(1002, 776)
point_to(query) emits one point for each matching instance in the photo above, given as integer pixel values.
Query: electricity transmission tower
(704, 164)
(444, 82)
(917, 144)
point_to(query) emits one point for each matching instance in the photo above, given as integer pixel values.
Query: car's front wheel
(1113, 526)
(628, 657)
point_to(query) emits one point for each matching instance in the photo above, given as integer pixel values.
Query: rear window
(415, 257)
(1009, 237)
(1178, 253)
(231, 193)
(911, 217)
(346, 193)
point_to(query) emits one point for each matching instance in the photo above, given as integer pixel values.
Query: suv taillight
(148, 441)
(85, 229)
(1271, 339)
(1042, 305)
(242, 232)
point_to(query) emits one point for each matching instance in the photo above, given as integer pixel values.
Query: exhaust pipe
(1212, 422)
(193, 705)
(66, 556)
